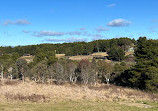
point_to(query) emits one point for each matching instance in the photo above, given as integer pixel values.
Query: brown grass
(42, 92)
(21, 97)
(80, 57)
(89, 57)
(129, 53)
(59, 55)
(100, 54)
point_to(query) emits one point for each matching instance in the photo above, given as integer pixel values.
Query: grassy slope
(72, 106)
(16, 96)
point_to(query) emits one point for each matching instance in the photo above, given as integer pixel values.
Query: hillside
(33, 94)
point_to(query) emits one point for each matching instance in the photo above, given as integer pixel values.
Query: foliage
(105, 71)
(40, 71)
(46, 66)
(144, 75)
(59, 72)
(116, 54)
(22, 68)
(70, 49)
(48, 56)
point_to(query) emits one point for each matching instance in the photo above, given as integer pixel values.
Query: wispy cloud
(111, 5)
(47, 33)
(24, 31)
(17, 22)
(155, 21)
(86, 35)
(119, 23)
(102, 29)
(71, 39)
(83, 28)
(54, 33)
(98, 35)
(153, 28)
(74, 33)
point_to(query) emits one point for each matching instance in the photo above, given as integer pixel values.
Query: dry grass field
(30, 96)
(81, 57)
(129, 53)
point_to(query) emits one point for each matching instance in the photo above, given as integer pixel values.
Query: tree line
(63, 70)
(13, 66)
(71, 49)
(46, 67)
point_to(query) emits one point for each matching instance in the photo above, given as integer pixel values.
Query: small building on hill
(130, 51)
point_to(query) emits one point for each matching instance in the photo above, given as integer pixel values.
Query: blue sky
(26, 22)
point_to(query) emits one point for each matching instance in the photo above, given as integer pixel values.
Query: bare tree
(10, 70)
(2, 71)
(87, 73)
(4, 62)
(93, 72)
(72, 75)
(59, 72)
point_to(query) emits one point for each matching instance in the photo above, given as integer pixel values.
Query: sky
(28, 22)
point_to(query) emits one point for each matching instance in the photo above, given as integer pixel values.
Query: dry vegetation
(30, 96)
(29, 59)
(88, 57)
(129, 53)
(81, 57)
(30, 91)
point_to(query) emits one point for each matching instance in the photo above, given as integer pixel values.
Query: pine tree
(144, 75)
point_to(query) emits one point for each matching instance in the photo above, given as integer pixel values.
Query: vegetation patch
(20, 97)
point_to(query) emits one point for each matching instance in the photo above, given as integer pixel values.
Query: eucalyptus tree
(59, 72)
(40, 71)
(71, 72)
(87, 74)
(5, 62)
(105, 70)
(22, 68)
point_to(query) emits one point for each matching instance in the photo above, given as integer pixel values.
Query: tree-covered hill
(70, 49)
(45, 66)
